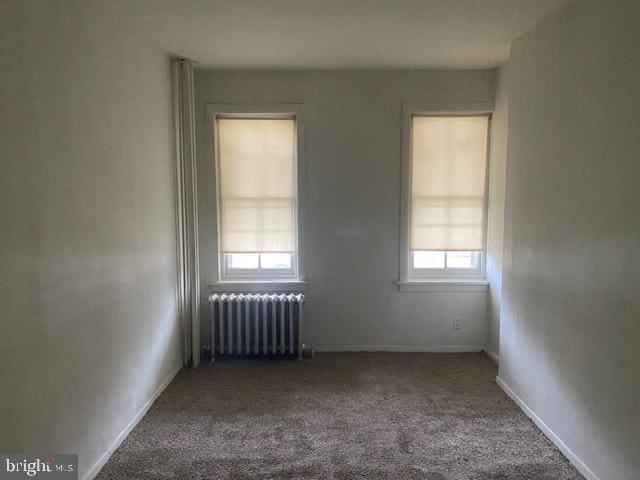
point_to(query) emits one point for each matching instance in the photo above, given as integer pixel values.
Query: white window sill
(443, 285)
(258, 286)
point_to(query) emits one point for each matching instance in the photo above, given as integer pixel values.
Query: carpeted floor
(338, 416)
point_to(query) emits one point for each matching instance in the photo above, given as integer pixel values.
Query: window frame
(410, 110)
(258, 111)
(229, 273)
(447, 272)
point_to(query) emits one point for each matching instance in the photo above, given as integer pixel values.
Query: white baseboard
(566, 451)
(93, 471)
(494, 356)
(398, 348)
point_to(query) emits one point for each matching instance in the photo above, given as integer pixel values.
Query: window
(257, 192)
(445, 190)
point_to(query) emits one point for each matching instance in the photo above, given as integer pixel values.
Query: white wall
(353, 159)
(570, 334)
(495, 221)
(88, 326)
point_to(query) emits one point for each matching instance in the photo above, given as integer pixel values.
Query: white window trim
(451, 285)
(263, 279)
(258, 286)
(407, 281)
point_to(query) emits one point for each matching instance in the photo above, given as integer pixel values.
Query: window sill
(444, 285)
(258, 286)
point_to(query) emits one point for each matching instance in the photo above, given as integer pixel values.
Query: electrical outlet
(457, 323)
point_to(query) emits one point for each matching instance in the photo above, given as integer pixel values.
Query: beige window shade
(448, 156)
(256, 168)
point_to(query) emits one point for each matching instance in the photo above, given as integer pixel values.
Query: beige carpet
(338, 416)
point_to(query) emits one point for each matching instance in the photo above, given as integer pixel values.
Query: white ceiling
(335, 34)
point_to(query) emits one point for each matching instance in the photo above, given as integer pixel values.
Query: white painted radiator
(256, 324)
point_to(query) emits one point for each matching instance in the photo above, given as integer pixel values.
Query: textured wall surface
(353, 160)
(570, 336)
(88, 327)
(495, 222)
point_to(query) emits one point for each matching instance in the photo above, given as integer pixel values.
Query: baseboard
(494, 356)
(566, 451)
(398, 348)
(93, 471)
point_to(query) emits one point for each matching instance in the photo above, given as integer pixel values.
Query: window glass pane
(275, 260)
(428, 259)
(460, 260)
(243, 260)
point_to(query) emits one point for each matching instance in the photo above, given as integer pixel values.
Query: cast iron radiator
(256, 324)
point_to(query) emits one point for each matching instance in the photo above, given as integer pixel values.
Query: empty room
(304, 239)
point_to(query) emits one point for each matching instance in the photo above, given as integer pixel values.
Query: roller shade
(448, 177)
(256, 181)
